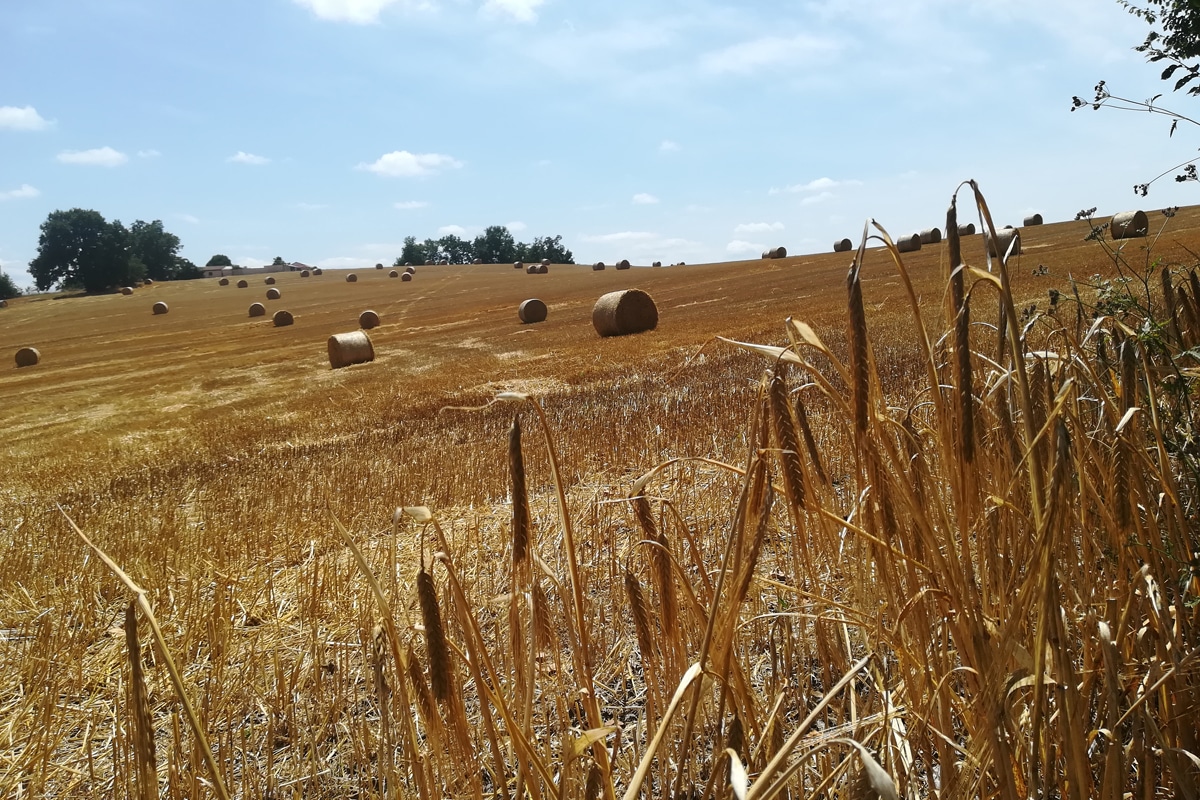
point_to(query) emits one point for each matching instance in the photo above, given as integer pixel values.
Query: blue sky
(325, 131)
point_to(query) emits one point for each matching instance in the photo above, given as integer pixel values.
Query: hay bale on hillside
(843, 246)
(303, 273)
(379, 266)
(532, 310)
(3, 303)
(317, 271)
(622, 312)
(273, 293)
(967, 229)
(282, 319)
(623, 264)
(518, 265)
(368, 319)
(656, 264)
(349, 348)
(159, 308)
(223, 282)
(28, 357)
(258, 310)
(533, 269)
(1005, 237)
(126, 290)
(147, 282)
(270, 281)
(407, 276)
(243, 284)
(393, 274)
(909, 244)
(1129, 225)
(931, 235)
(545, 262)
(598, 266)
(775, 252)
(1033, 219)
(411, 270)
(477, 261)
(351, 278)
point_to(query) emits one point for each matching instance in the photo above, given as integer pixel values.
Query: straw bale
(1033, 219)
(243, 284)
(351, 278)
(477, 261)
(775, 252)
(518, 265)
(127, 290)
(28, 357)
(368, 319)
(407, 276)
(599, 265)
(379, 266)
(350, 348)
(258, 310)
(303, 273)
(273, 293)
(909, 244)
(967, 229)
(393, 274)
(931, 235)
(1129, 225)
(843, 246)
(411, 270)
(532, 310)
(147, 282)
(1004, 237)
(622, 312)
(656, 264)
(317, 271)
(270, 281)
(3, 303)
(159, 308)
(223, 282)
(533, 269)
(623, 264)
(282, 318)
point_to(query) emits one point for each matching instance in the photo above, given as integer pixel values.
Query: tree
(495, 245)
(80, 247)
(412, 253)
(550, 247)
(278, 262)
(433, 252)
(455, 249)
(185, 270)
(219, 260)
(154, 247)
(8, 287)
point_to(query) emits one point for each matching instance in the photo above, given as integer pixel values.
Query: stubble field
(866, 579)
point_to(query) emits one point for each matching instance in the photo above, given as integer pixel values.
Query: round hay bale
(243, 284)
(532, 269)
(843, 246)
(303, 273)
(546, 262)
(775, 252)
(1129, 225)
(350, 348)
(28, 357)
(317, 271)
(532, 310)
(1004, 237)
(909, 244)
(623, 264)
(1033, 219)
(379, 266)
(518, 265)
(126, 290)
(623, 312)
(273, 293)
(411, 270)
(656, 264)
(282, 319)
(351, 278)
(270, 281)
(223, 282)
(543, 269)
(147, 282)
(445, 262)
(3, 303)
(393, 274)
(477, 261)
(368, 319)
(930, 235)
(258, 310)
(967, 230)
(159, 308)
(599, 265)
(406, 276)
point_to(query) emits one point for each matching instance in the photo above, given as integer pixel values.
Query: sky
(325, 131)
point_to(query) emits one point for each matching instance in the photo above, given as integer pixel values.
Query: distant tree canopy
(494, 246)
(156, 249)
(219, 260)
(8, 287)
(278, 262)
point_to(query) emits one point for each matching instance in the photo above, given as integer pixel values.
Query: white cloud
(644, 199)
(248, 158)
(456, 230)
(668, 146)
(360, 12)
(623, 236)
(516, 227)
(98, 157)
(410, 205)
(520, 10)
(758, 227)
(403, 164)
(25, 118)
(816, 198)
(768, 51)
(188, 218)
(815, 185)
(16, 194)
(148, 154)
(739, 246)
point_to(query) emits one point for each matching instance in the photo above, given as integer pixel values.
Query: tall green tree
(433, 251)
(8, 287)
(456, 249)
(219, 260)
(550, 247)
(495, 245)
(278, 262)
(412, 253)
(156, 248)
(80, 247)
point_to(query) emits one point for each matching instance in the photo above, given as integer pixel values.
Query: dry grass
(886, 556)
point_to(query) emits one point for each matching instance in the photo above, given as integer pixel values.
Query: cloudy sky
(325, 131)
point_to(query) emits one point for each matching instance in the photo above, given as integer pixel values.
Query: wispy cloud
(452, 230)
(668, 146)
(815, 185)
(248, 158)
(410, 205)
(360, 12)
(188, 218)
(98, 157)
(740, 246)
(16, 194)
(148, 154)
(516, 227)
(23, 118)
(644, 199)
(752, 56)
(403, 164)
(758, 227)
(520, 10)
(816, 198)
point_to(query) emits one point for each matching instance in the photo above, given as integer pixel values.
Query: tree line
(495, 245)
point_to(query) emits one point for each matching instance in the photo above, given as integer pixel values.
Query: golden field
(868, 590)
